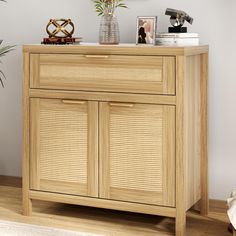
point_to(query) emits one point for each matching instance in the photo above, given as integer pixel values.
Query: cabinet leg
(204, 203)
(27, 207)
(204, 206)
(180, 225)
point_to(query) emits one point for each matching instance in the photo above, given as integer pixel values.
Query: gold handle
(121, 104)
(73, 102)
(97, 56)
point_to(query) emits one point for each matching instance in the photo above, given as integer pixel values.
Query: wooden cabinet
(118, 127)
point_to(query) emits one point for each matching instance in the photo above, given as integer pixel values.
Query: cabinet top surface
(124, 49)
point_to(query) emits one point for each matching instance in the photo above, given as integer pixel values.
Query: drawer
(110, 73)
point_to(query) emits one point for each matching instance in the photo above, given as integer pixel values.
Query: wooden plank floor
(105, 222)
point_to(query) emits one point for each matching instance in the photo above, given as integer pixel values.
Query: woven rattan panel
(136, 149)
(63, 143)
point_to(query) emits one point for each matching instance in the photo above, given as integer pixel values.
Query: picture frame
(146, 30)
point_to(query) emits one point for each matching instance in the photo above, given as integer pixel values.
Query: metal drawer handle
(121, 104)
(73, 102)
(97, 56)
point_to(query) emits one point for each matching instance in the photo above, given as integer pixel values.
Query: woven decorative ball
(60, 28)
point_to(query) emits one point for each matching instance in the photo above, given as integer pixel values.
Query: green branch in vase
(108, 7)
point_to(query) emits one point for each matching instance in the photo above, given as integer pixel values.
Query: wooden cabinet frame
(190, 101)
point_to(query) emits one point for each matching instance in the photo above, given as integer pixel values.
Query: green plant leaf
(103, 7)
(121, 5)
(2, 76)
(3, 52)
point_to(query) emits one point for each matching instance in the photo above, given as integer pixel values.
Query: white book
(178, 41)
(177, 35)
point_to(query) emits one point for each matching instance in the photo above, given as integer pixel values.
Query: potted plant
(3, 52)
(109, 29)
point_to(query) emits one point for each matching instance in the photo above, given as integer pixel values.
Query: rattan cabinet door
(137, 153)
(64, 146)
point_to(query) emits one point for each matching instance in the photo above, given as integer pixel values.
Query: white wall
(23, 22)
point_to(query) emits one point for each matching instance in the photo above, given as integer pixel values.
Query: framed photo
(146, 29)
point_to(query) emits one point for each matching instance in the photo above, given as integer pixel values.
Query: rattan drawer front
(137, 153)
(114, 73)
(60, 138)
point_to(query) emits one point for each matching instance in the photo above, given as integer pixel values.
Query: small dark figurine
(177, 19)
(141, 35)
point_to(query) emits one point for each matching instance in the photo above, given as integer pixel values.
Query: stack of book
(61, 40)
(177, 39)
